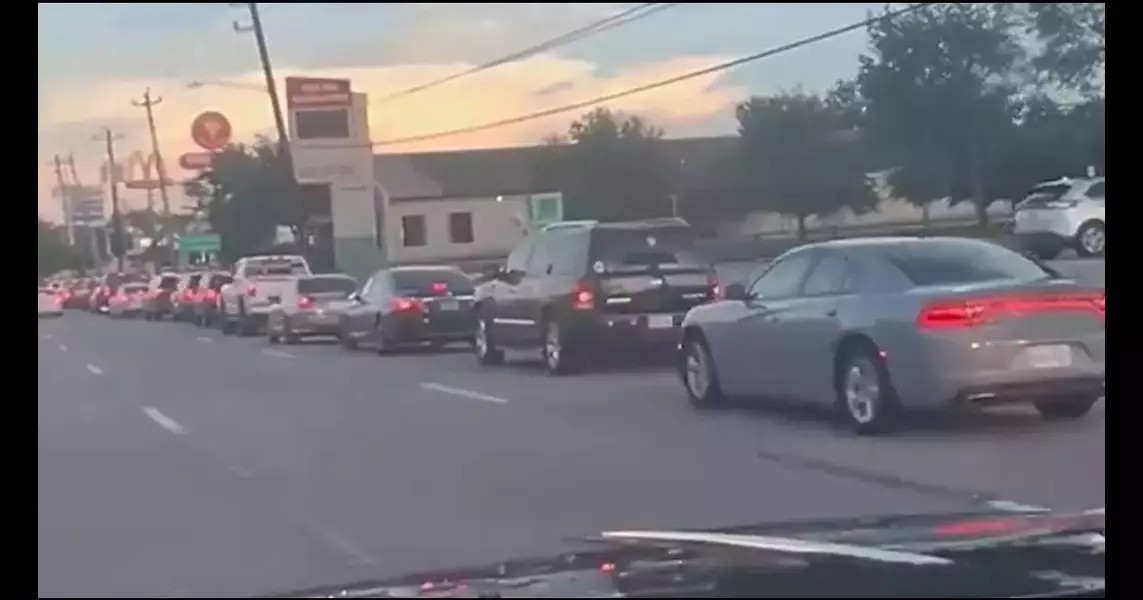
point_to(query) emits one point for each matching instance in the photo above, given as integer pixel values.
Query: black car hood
(965, 555)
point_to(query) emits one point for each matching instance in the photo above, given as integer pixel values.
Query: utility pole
(65, 200)
(147, 103)
(117, 243)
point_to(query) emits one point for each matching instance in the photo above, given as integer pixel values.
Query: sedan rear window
(275, 267)
(432, 282)
(326, 285)
(951, 262)
(169, 282)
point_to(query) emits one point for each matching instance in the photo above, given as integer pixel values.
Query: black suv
(576, 289)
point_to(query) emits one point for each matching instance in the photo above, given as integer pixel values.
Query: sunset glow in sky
(95, 58)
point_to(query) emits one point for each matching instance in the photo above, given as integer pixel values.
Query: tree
(613, 168)
(1074, 39)
(798, 157)
(248, 192)
(53, 253)
(939, 85)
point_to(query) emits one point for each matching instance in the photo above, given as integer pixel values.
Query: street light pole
(147, 103)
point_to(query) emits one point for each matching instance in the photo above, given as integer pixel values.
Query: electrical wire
(658, 84)
(618, 20)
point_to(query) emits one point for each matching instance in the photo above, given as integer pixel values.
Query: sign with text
(137, 167)
(311, 92)
(211, 130)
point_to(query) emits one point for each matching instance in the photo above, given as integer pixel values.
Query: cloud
(71, 113)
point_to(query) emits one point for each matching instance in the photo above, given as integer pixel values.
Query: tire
(700, 378)
(271, 337)
(1090, 240)
(1066, 408)
(484, 344)
(558, 358)
(866, 400)
(288, 335)
(384, 346)
(346, 340)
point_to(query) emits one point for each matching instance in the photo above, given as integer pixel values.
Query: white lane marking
(94, 369)
(346, 546)
(444, 389)
(204, 339)
(63, 347)
(1010, 506)
(163, 420)
(277, 353)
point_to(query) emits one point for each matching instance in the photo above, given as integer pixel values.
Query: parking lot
(175, 461)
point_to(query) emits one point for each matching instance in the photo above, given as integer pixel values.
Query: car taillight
(250, 290)
(439, 287)
(305, 302)
(406, 304)
(188, 295)
(209, 295)
(713, 289)
(957, 314)
(583, 297)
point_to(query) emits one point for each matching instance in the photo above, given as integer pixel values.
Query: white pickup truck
(245, 304)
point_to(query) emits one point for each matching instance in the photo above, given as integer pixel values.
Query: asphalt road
(175, 461)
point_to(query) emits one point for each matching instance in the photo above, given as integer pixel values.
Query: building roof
(512, 171)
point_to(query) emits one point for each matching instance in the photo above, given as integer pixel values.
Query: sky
(94, 59)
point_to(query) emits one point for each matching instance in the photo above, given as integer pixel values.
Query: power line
(658, 84)
(628, 16)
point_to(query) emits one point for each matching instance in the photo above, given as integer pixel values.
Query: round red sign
(210, 130)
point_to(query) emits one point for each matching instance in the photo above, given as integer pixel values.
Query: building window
(322, 124)
(413, 230)
(460, 227)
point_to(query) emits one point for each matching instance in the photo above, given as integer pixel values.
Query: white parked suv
(259, 283)
(1065, 213)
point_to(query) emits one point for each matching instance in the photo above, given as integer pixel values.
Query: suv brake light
(305, 302)
(957, 314)
(583, 297)
(250, 290)
(713, 289)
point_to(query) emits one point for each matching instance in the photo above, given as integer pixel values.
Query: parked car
(878, 325)
(1060, 214)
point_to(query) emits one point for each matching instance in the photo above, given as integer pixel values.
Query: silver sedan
(872, 326)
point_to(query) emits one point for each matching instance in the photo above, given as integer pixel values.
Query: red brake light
(439, 287)
(714, 290)
(250, 290)
(980, 527)
(583, 297)
(953, 314)
(305, 302)
(406, 304)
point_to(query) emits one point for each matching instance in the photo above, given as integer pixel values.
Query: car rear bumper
(625, 330)
(313, 324)
(406, 329)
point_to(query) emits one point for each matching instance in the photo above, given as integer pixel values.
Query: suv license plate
(1049, 357)
(448, 305)
(660, 321)
(273, 299)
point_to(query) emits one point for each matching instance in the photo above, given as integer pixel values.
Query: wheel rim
(697, 375)
(1093, 239)
(552, 346)
(862, 390)
(481, 342)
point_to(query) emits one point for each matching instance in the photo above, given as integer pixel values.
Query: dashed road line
(164, 421)
(277, 353)
(463, 393)
(94, 370)
(1010, 506)
(346, 546)
(63, 347)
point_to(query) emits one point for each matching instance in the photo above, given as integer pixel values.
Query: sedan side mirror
(735, 291)
(355, 297)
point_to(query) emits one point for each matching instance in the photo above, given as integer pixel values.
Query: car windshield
(257, 268)
(432, 282)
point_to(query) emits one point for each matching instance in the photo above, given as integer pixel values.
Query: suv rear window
(169, 282)
(951, 262)
(326, 285)
(637, 250)
(219, 280)
(420, 283)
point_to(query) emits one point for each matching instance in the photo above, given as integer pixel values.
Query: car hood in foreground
(981, 555)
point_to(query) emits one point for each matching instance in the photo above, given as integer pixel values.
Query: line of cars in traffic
(868, 327)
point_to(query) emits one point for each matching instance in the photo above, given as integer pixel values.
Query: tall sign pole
(65, 201)
(117, 241)
(147, 103)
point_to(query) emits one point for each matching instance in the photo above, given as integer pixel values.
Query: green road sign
(546, 208)
(200, 242)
